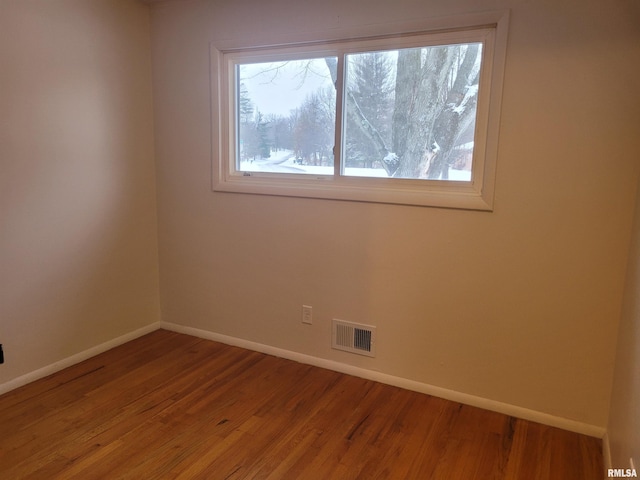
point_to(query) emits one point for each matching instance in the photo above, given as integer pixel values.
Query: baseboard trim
(472, 400)
(77, 358)
(606, 452)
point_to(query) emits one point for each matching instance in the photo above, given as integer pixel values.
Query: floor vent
(354, 338)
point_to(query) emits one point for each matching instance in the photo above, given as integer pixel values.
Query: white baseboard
(472, 400)
(77, 358)
(606, 452)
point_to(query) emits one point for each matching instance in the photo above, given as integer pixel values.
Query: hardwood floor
(177, 407)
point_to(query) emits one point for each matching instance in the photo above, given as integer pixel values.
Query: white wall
(624, 420)
(78, 229)
(518, 306)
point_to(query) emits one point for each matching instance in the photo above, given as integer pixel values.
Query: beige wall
(624, 420)
(518, 306)
(78, 229)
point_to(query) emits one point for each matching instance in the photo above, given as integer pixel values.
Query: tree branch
(355, 112)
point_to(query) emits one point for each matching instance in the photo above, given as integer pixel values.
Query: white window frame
(489, 28)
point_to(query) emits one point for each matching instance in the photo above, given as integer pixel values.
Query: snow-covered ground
(283, 161)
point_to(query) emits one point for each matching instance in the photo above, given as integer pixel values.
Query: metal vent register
(354, 338)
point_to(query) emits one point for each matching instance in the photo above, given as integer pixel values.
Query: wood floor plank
(171, 406)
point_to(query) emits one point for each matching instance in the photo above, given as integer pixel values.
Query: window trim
(476, 195)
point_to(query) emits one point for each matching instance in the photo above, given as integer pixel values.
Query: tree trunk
(420, 90)
(429, 114)
(457, 116)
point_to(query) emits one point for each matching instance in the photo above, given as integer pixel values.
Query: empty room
(346, 239)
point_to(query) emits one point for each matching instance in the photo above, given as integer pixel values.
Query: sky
(279, 87)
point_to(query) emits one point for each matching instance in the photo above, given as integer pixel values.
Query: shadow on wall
(78, 244)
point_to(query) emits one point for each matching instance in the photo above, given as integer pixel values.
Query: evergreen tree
(246, 126)
(262, 127)
(245, 105)
(370, 83)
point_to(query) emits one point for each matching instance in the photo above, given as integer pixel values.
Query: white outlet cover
(307, 314)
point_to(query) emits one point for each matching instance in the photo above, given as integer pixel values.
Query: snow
(365, 172)
(284, 161)
(472, 91)
(459, 175)
(391, 158)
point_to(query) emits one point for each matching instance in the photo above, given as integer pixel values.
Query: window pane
(285, 115)
(411, 113)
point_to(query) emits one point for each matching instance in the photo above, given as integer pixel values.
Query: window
(398, 117)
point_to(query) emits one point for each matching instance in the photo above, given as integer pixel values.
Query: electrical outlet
(307, 314)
